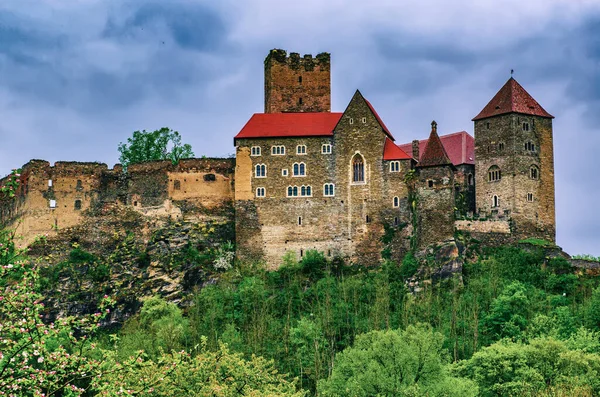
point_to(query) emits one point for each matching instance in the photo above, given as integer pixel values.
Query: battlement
(294, 61)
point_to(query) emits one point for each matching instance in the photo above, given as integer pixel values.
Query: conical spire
(512, 98)
(434, 153)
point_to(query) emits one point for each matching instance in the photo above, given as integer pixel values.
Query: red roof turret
(512, 98)
(434, 153)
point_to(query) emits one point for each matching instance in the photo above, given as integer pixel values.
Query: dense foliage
(516, 323)
(162, 144)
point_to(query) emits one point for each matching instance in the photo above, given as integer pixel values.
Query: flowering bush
(9, 188)
(38, 359)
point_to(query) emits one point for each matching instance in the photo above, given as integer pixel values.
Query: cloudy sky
(78, 76)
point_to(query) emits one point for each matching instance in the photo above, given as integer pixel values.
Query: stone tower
(514, 162)
(295, 84)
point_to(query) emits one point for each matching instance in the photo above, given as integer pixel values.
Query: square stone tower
(295, 84)
(514, 162)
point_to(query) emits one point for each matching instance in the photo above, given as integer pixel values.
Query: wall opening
(77, 204)
(210, 177)
(177, 185)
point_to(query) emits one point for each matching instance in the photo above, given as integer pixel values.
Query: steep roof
(434, 153)
(383, 126)
(391, 151)
(281, 125)
(512, 98)
(459, 146)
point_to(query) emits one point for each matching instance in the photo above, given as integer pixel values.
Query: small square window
(284, 172)
(430, 183)
(49, 182)
(52, 203)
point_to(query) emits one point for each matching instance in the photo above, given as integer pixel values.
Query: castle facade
(338, 182)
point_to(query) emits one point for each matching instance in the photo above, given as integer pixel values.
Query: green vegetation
(162, 144)
(517, 323)
(538, 242)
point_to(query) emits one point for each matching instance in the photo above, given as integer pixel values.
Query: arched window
(396, 202)
(534, 172)
(494, 173)
(299, 169)
(470, 179)
(305, 191)
(329, 190)
(260, 192)
(292, 191)
(495, 201)
(529, 147)
(394, 166)
(358, 169)
(301, 149)
(261, 171)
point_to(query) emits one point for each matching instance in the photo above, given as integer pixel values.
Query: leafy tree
(593, 311)
(507, 316)
(207, 373)
(163, 144)
(395, 363)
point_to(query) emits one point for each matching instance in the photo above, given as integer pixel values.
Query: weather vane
(511, 72)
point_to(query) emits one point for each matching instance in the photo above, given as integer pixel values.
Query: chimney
(415, 149)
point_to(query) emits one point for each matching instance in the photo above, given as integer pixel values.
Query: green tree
(507, 316)
(163, 144)
(395, 363)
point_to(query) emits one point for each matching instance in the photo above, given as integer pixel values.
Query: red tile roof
(512, 98)
(276, 125)
(434, 153)
(391, 151)
(460, 147)
(385, 129)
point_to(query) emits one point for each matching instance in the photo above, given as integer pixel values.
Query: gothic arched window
(358, 169)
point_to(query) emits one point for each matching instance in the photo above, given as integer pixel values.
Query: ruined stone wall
(435, 205)
(464, 184)
(55, 197)
(487, 226)
(516, 144)
(295, 84)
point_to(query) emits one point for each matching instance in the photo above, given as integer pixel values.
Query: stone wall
(295, 84)
(516, 143)
(487, 226)
(435, 198)
(56, 197)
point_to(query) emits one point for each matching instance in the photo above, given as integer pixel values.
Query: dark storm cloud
(191, 26)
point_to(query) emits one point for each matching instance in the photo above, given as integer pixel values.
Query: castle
(307, 178)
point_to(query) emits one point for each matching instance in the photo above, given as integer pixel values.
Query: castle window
(494, 173)
(430, 183)
(49, 182)
(351, 121)
(358, 169)
(77, 204)
(326, 148)
(306, 191)
(368, 219)
(292, 191)
(534, 172)
(299, 169)
(525, 126)
(487, 125)
(278, 150)
(79, 185)
(284, 172)
(396, 221)
(260, 171)
(364, 120)
(255, 151)
(135, 203)
(300, 224)
(301, 149)
(52, 203)
(299, 101)
(501, 146)
(396, 202)
(529, 147)
(210, 177)
(329, 190)
(299, 79)
(395, 166)
(470, 179)
(260, 192)
(495, 201)
(301, 253)
(177, 185)
(530, 197)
